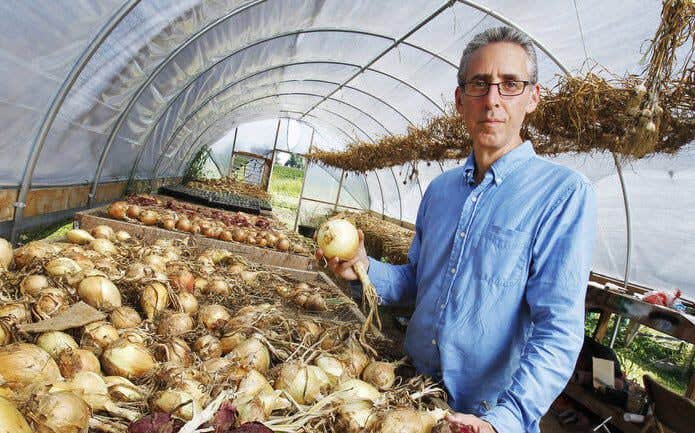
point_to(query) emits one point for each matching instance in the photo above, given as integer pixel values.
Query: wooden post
(230, 170)
(631, 332)
(301, 192)
(340, 187)
(272, 161)
(602, 328)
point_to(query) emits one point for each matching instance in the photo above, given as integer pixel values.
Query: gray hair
(500, 34)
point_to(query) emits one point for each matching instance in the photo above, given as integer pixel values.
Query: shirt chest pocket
(501, 255)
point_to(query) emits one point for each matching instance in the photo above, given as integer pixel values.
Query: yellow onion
(251, 353)
(15, 313)
(355, 389)
(79, 236)
(315, 302)
(308, 329)
(285, 291)
(62, 266)
(213, 316)
(357, 416)
(283, 245)
(122, 236)
(130, 360)
(6, 254)
(182, 281)
(175, 324)
(5, 334)
(154, 299)
(305, 383)
(134, 335)
(121, 389)
(117, 210)
(50, 302)
(125, 317)
(174, 351)
(148, 217)
(252, 384)
(200, 284)
(182, 401)
(338, 238)
(31, 285)
(226, 236)
(73, 361)
(168, 223)
(136, 271)
(187, 302)
(380, 374)
(23, 364)
(334, 369)
(133, 211)
(11, 419)
(92, 388)
(61, 412)
(97, 336)
(156, 262)
(207, 347)
(354, 358)
(99, 292)
(103, 246)
(248, 276)
(103, 232)
(55, 342)
(217, 286)
(218, 368)
(183, 224)
(231, 340)
(259, 407)
(407, 420)
(34, 251)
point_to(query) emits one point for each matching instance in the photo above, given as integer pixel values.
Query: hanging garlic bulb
(11, 419)
(55, 342)
(154, 299)
(23, 364)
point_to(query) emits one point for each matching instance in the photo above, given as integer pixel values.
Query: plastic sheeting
(174, 76)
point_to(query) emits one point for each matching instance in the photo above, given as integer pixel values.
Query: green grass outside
(285, 187)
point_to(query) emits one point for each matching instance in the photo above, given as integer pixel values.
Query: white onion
(213, 316)
(125, 317)
(175, 324)
(79, 236)
(97, 336)
(103, 246)
(62, 266)
(188, 302)
(380, 374)
(338, 238)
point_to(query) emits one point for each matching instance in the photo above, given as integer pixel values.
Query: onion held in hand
(338, 238)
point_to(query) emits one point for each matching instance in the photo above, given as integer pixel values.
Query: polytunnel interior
(110, 91)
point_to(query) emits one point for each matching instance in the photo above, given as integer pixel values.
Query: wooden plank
(46, 200)
(7, 199)
(587, 399)
(662, 319)
(89, 219)
(602, 328)
(110, 191)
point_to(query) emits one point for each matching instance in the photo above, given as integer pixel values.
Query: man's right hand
(343, 268)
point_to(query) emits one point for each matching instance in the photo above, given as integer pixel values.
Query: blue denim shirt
(498, 272)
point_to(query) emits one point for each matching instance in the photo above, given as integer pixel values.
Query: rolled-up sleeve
(555, 293)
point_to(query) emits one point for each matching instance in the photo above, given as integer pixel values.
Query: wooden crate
(94, 217)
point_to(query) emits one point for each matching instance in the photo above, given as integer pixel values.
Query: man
(501, 255)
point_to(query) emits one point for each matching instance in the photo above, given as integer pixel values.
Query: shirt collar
(505, 165)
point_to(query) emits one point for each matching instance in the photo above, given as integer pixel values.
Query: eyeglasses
(505, 88)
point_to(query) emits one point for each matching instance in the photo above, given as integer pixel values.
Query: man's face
(494, 121)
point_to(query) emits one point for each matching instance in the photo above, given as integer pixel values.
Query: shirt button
(453, 270)
(434, 342)
(442, 306)
(462, 234)
(474, 198)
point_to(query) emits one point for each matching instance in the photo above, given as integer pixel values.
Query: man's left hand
(475, 424)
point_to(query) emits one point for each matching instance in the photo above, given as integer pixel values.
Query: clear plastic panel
(354, 192)
(321, 183)
(392, 198)
(312, 214)
(410, 190)
(375, 193)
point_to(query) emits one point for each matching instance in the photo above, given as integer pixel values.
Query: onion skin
(208, 347)
(23, 364)
(11, 420)
(338, 238)
(15, 313)
(50, 302)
